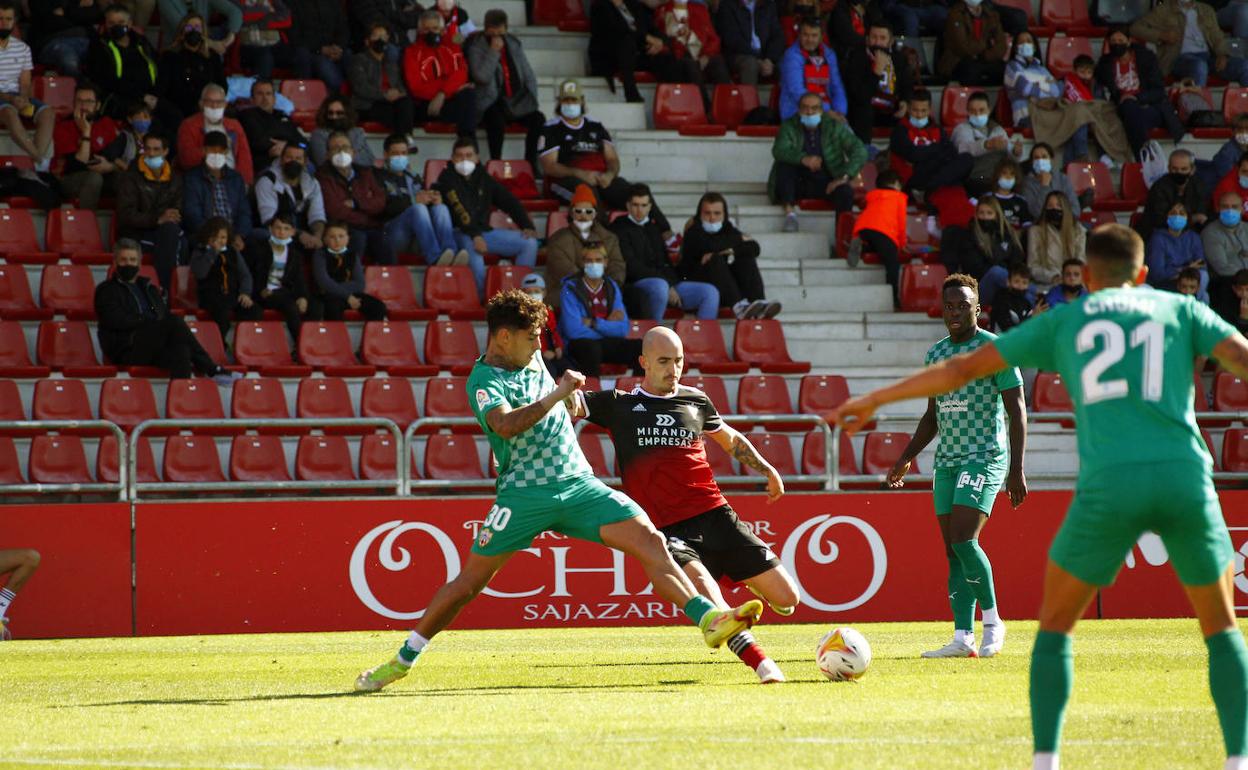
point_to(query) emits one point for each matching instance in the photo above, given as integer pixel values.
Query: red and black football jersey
(581, 147)
(659, 448)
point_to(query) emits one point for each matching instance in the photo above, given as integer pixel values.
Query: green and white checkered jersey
(971, 420)
(548, 452)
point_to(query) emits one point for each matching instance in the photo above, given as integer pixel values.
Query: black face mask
(118, 31)
(128, 272)
(292, 169)
(339, 124)
(378, 46)
(1177, 177)
(432, 38)
(1118, 50)
(194, 38)
(987, 224)
(1054, 216)
(5, 33)
(879, 49)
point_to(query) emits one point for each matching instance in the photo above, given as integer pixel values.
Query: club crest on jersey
(483, 398)
(483, 539)
(639, 408)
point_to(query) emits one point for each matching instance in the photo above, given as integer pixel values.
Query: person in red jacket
(692, 39)
(437, 77)
(352, 194)
(212, 118)
(1236, 181)
(881, 228)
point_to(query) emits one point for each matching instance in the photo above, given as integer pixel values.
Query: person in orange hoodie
(437, 77)
(1236, 181)
(881, 228)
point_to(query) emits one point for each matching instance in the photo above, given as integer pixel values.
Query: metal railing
(77, 427)
(441, 422)
(295, 427)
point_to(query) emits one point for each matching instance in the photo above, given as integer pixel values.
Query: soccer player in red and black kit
(657, 430)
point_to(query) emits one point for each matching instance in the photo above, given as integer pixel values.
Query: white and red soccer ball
(843, 655)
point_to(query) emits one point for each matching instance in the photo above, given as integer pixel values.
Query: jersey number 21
(1112, 342)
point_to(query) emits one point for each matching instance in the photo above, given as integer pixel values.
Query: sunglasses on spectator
(589, 212)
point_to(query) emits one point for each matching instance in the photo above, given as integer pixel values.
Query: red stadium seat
(556, 221)
(60, 400)
(56, 91)
(1235, 451)
(766, 394)
(627, 383)
(68, 290)
(326, 345)
(106, 468)
(953, 105)
(451, 458)
(263, 346)
(775, 449)
(1134, 190)
(18, 240)
(814, 455)
(433, 169)
(322, 398)
(16, 301)
(57, 460)
(10, 465)
(637, 327)
(920, 288)
(678, 106)
(500, 278)
(1234, 102)
(448, 397)
(760, 343)
(704, 348)
(714, 389)
(1049, 395)
(258, 458)
(882, 450)
(259, 398)
(452, 291)
(1230, 393)
(391, 398)
(323, 458)
(191, 459)
(377, 457)
(75, 233)
(518, 177)
(591, 447)
(731, 103)
(208, 334)
(306, 95)
(821, 393)
(184, 292)
(11, 407)
(1070, 16)
(127, 402)
(1063, 51)
(1096, 177)
(393, 286)
(194, 399)
(451, 345)
(549, 13)
(388, 345)
(919, 242)
(14, 357)
(66, 345)
(721, 464)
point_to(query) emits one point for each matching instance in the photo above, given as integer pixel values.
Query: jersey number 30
(1112, 341)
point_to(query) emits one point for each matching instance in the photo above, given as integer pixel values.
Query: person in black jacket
(651, 283)
(921, 151)
(149, 205)
(276, 267)
(339, 275)
(469, 192)
(750, 38)
(320, 39)
(268, 130)
(222, 278)
(877, 82)
(1012, 305)
(62, 31)
(136, 327)
(1132, 76)
(399, 16)
(134, 79)
(189, 64)
(716, 252)
(622, 40)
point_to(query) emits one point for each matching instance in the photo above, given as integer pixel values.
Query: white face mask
(570, 111)
(641, 221)
(584, 227)
(1241, 140)
(342, 160)
(466, 167)
(214, 161)
(214, 114)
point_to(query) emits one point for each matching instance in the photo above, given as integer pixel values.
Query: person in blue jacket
(592, 318)
(809, 65)
(1174, 249)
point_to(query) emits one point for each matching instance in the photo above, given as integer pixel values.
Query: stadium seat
(731, 103)
(556, 221)
(306, 95)
(258, 458)
(389, 346)
(1096, 177)
(760, 343)
(821, 393)
(1235, 451)
(704, 348)
(882, 450)
(637, 327)
(61, 399)
(326, 345)
(57, 460)
(127, 402)
(814, 456)
(627, 383)
(14, 356)
(11, 408)
(56, 91)
(184, 293)
(919, 242)
(1234, 102)
(16, 301)
(191, 459)
(18, 240)
(1063, 51)
(321, 398)
(377, 457)
(451, 345)
(766, 394)
(953, 105)
(68, 290)
(1049, 395)
(263, 346)
(1037, 30)
(714, 389)
(66, 345)
(591, 446)
(775, 449)
(452, 291)
(550, 13)
(433, 169)
(10, 465)
(520, 180)
(75, 233)
(678, 107)
(452, 458)
(1134, 190)
(500, 278)
(1070, 16)
(920, 288)
(391, 398)
(323, 458)
(259, 398)
(393, 286)
(208, 334)
(106, 468)
(448, 397)
(195, 399)
(721, 463)
(1230, 393)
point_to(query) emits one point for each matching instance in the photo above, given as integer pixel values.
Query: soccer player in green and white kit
(1125, 354)
(972, 462)
(545, 483)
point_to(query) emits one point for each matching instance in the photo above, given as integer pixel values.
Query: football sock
(961, 598)
(1052, 678)
(697, 607)
(6, 598)
(414, 645)
(745, 648)
(978, 572)
(1044, 761)
(991, 617)
(1228, 680)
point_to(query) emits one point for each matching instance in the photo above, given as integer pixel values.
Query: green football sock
(1052, 678)
(1228, 680)
(961, 598)
(697, 607)
(978, 572)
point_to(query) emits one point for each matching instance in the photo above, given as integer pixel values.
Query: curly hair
(960, 281)
(515, 310)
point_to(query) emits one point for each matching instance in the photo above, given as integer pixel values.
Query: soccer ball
(843, 655)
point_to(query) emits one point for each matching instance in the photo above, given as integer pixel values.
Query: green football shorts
(1114, 507)
(971, 484)
(578, 508)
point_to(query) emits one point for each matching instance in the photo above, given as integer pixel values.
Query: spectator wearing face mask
(1178, 186)
(816, 156)
(1132, 77)
(149, 206)
(592, 317)
(714, 251)
(921, 152)
(985, 250)
(188, 64)
(455, 22)
(213, 189)
(339, 275)
(277, 281)
(1174, 249)
(881, 229)
(1071, 288)
(1013, 206)
(986, 141)
(212, 119)
(565, 248)
(222, 278)
(554, 354)
(1225, 241)
(268, 130)
(810, 66)
(1235, 181)
(1015, 302)
(1057, 237)
(877, 82)
(288, 185)
(336, 114)
(975, 45)
(1043, 178)
(506, 88)
(437, 77)
(353, 195)
(1211, 171)
(414, 210)
(377, 89)
(121, 63)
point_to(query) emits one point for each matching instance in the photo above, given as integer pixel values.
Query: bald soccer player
(657, 431)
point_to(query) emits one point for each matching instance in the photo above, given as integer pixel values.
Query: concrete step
(809, 246)
(516, 16)
(559, 62)
(847, 352)
(844, 298)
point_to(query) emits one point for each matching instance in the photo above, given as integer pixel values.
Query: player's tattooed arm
(747, 455)
(508, 422)
(736, 444)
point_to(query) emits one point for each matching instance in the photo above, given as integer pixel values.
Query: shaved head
(663, 359)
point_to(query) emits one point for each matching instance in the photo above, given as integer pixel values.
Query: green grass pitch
(633, 697)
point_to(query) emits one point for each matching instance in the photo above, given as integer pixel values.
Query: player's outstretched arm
(736, 444)
(1232, 353)
(512, 422)
(950, 374)
(923, 435)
